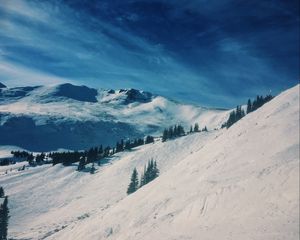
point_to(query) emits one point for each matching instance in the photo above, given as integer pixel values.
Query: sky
(208, 52)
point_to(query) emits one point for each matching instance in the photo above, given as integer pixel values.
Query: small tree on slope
(1, 192)
(4, 219)
(134, 182)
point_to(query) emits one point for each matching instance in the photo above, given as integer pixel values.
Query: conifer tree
(143, 180)
(127, 145)
(81, 165)
(1, 192)
(150, 172)
(171, 133)
(100, 149)
(149, 139)
(249, 106)
(30, 159)
(165, 135)
(155, 170)
(134, 182)
(196, 127)
(175, 131)
(92, 171)
(180, 131)
(4, 216)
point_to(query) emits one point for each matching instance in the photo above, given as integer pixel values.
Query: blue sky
(209, 52)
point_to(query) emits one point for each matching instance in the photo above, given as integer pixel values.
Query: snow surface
(240, 183)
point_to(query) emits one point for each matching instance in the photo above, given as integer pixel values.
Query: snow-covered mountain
(78, 117)
(240, 183)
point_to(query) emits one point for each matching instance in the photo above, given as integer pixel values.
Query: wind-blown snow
(240, 183)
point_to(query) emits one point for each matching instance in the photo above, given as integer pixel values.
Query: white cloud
(17, 75)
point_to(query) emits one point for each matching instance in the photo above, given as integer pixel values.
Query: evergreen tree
(143, 180)
(134, 182)
(40, 158)
(149, 139)
(175, 131)
(100, 150)
(196, 127)
(150, 172)
(140, 142)
(180, 131)
(249, 106)
(127, 145)
(148, 175)
(30, 159)
(170, 132)
(4, 216)
(165, 135)
(155, 170)
(1, 192)
(81, 165)
(92, 171)
(122, 145)
(191, 129)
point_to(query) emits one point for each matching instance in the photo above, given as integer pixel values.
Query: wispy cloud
(18, 75)
(53, 41)
(184, 50)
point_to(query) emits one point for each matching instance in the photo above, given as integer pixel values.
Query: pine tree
(1, 192)
(92, 171)
(148, 176)
(4, 216)
(165, 135)
(134, 182)
(196, 127)
(127, 145)
(30, 159)
(155, 170)
(100, 150)
(150, 172)
(81, 165)
(180, 130)
(249, 106)
(143, 180)
(40, 158)
(175, 131)
(191, 129)
(171, 133)
(149, 139)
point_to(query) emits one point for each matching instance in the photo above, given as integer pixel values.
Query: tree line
(239, 113)
(4, 215)
(173, 132)
(178, 131)
(150, 173)
(67, 158)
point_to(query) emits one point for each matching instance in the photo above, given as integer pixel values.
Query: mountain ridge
(89, 117)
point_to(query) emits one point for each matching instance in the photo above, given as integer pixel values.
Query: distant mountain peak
(134, 95)
(79, 93)
(2, 85)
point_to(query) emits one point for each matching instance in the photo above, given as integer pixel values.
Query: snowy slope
(241, 183)
(78, 117)
(47, 198)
